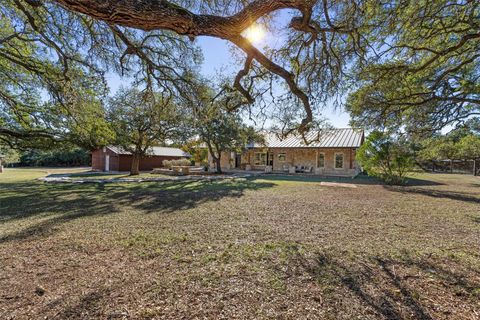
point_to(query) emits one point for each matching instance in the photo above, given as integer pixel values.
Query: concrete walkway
(67, 179)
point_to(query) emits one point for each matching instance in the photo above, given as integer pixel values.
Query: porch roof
(331, 138)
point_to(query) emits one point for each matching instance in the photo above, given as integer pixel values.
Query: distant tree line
(460, 145)
(55, 158)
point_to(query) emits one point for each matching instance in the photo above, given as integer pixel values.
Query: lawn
(270, 247)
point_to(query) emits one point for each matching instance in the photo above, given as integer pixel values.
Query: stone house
(328, 152)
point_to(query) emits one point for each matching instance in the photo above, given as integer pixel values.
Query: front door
(107, 163)
(238, 160)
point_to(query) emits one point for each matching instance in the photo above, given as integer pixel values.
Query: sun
(255, 33)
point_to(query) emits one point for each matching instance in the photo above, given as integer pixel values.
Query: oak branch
(164, 15)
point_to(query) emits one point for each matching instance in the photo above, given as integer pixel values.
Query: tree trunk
(433, 166)
(134, 170)
(451, 166)
(475, 167)
(217, 162)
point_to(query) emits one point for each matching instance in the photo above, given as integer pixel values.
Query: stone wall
(306, 157)
(226, 161)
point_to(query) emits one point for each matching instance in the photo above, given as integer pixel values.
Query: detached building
(113, 158)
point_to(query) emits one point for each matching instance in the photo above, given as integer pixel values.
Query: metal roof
(328, 138)
(155, 151)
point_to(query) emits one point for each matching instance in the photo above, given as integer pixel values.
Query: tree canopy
(142, 120)
(426, 73)
(413, 63)
(386, 157)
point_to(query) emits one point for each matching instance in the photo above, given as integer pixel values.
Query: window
(282, 157)
(338, 160)
(260, 159)
(321, 160)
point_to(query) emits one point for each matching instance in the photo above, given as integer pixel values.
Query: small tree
(385, 157)
(199, 154)
(10, 155)
(469, 148)
(142, 120)
(223, 131)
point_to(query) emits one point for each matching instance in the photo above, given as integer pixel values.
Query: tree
(194, 148)
(426, 50)
(10, 155)
(223, 131)
(441, 148)
(53, 64)
(469, 148)
(385, 157)
(426, 77)
(142, 120)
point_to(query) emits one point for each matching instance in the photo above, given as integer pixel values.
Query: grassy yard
(266, 248)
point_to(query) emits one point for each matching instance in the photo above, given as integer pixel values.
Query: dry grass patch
(269, 248)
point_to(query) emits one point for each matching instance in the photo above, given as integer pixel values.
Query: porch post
(351, 160)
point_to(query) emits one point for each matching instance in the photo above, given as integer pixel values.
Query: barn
(114, 158)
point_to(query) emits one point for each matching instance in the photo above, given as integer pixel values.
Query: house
(328, 152)
(114, 158)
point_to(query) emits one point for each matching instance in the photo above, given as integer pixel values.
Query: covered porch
(310, 161)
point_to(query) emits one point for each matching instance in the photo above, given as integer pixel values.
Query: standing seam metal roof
(328, 138)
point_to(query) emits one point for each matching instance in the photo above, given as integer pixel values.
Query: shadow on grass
(189, 194)
(55, 204)
(316, 179)
(391, 288)
(476, 219)
(359, 180)
(441, 194)
(89, 304)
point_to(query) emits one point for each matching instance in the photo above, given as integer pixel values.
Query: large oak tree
(401, 57)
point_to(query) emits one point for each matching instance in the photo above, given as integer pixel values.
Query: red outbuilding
(114, 158)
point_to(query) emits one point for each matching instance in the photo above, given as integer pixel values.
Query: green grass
(272, 247)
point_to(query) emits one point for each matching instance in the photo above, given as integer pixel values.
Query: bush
(182, 162)
(179, 162)
(167, 164)
(386, 158)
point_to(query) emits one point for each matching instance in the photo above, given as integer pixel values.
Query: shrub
(167, 164)
(178, 162)
(386, 158)
(182, 162)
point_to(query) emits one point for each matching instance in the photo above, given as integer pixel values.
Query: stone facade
(227, 160)
(281, 159)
